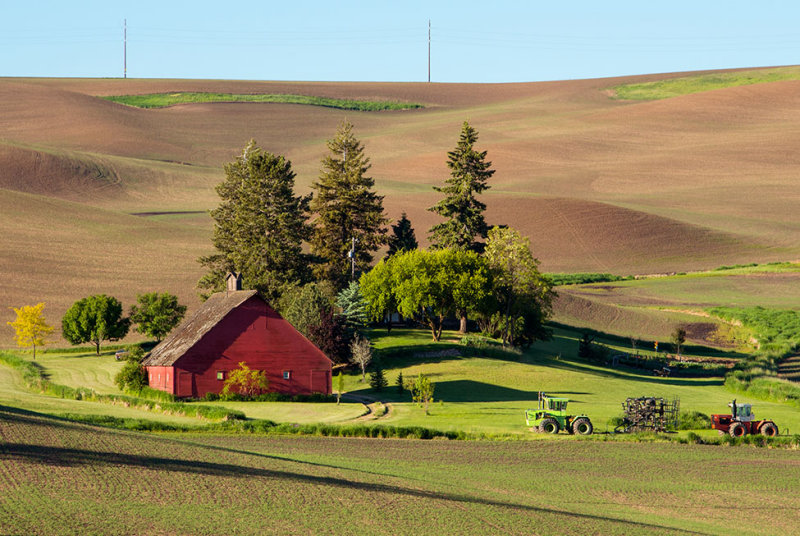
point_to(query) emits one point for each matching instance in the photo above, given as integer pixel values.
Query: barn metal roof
(190, 331)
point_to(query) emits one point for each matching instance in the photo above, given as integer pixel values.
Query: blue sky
(486, 41)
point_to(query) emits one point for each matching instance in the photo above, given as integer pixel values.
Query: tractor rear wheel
(737, 429)
(582, 426)
(549, 426)
(768, 429)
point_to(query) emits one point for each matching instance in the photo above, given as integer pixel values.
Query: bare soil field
(598, 184)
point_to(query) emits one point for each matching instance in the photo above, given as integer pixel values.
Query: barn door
(319, 381)
(185, 384)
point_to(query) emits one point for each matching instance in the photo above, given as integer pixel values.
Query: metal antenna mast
(429, 51)
(125, 48)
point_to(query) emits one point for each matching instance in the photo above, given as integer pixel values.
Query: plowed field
(598, 184)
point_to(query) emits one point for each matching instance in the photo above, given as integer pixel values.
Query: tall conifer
(259, 225)
(347, 209)
(463, 213)
(403, 237)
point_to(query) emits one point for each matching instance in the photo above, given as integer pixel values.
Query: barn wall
(162, 378)
(257, 335)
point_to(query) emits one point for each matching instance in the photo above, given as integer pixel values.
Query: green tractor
(551, 416)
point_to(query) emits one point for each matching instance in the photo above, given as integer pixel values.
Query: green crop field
(674, 87)
(162, 100)
(58, 477)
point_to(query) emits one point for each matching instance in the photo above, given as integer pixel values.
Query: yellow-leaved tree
(30, 327)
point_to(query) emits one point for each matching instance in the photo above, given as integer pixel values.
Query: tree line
(330, 290)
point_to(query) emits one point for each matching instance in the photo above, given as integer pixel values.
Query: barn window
(287, 374)
(220, 374)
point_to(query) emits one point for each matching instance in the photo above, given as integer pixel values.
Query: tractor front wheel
(549, 426)
(582, 426)
(737, 429)
(768, 429)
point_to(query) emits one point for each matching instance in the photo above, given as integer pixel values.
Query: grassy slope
(481, 395)
(651, 308)
(61, 478)
(163, 100)
(674, 87)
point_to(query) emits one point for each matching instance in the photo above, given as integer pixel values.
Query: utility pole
(352, 255)
(125, 48)
(429, 51)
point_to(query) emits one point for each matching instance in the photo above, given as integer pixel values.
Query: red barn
(232, 327)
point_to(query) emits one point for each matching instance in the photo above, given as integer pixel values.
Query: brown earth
(597, 184)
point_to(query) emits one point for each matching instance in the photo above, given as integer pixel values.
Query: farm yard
(677, 190)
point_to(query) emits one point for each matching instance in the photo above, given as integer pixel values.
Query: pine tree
(399, 383)
(403, 237)
(348, 210)
(463, 213)
(377, 380)
(259, 225)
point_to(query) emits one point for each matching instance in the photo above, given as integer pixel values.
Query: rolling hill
(97, 196)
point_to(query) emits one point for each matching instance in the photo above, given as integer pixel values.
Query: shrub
(132, 376)
(246, 381)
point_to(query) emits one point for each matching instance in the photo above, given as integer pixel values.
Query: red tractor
(741, 422)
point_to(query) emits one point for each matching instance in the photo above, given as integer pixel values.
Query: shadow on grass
(642, 344)
(72, 457)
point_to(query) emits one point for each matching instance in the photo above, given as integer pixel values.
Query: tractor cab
(741, 412)
(554, 405)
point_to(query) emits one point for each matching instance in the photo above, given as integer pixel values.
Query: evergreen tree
(348, 210)
(399, 383)
(353, 306)
(259, 225)
(403, 237)
(463, 213)
(377, 380)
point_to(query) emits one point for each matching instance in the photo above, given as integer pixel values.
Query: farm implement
(648, 414)
(741, 421)
(551, 416)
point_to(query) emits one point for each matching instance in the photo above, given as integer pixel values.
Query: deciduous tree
(463, 213)
(331, 336)
(361, 353)
(422, 391)
(522, 297)
(157, 314)
(347, 209)
(259, 226)
(427, 285)
(94, 319)
(303, 306)
(30, 328)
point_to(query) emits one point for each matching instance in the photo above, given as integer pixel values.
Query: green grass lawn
(59, 477)
(474, 393)
(162, 100)
(674, 87)
(490, 395)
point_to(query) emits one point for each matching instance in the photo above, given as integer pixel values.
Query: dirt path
(370, 406)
